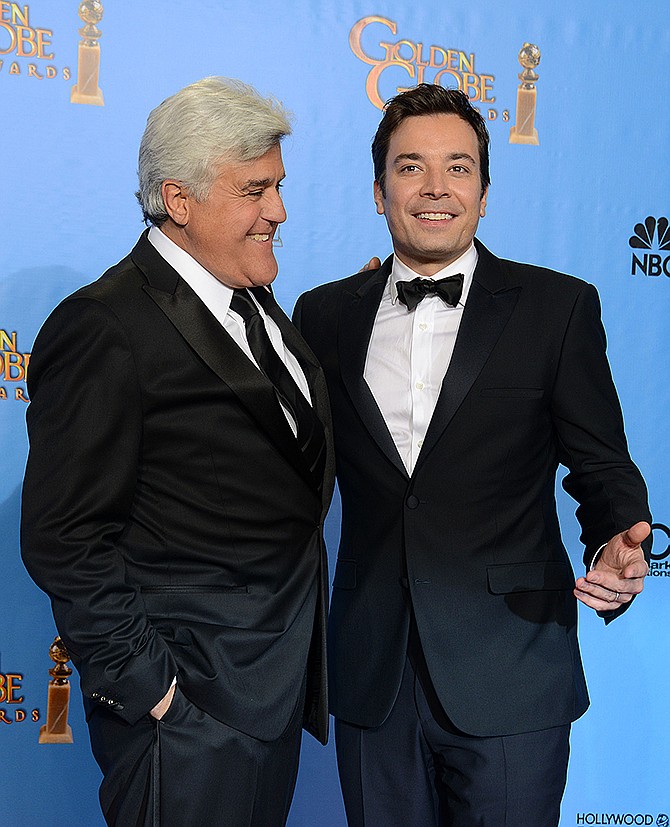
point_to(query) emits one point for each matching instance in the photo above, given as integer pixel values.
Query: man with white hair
(179, 474)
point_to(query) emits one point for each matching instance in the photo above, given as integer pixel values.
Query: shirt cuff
(596, 557)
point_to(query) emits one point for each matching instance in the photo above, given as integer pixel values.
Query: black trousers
(188, 770)
(418, 770)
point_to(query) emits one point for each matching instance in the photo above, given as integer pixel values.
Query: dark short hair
(428, 99)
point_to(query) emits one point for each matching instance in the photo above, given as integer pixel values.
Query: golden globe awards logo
(13, 368)
(12, 701)
(26, 48)
(393, 61)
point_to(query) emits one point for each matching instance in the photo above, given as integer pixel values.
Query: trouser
(418, 770)
(189, 770)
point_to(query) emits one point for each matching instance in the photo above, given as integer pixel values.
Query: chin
(263, 280)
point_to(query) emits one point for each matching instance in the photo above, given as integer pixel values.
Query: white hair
(203, 125)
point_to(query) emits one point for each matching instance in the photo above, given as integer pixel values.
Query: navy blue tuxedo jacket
(473, 532)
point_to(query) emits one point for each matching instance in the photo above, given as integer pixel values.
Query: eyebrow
(255, 183)
(261, 183)
(416, 156)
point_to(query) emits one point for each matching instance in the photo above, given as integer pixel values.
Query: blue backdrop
(598, 179)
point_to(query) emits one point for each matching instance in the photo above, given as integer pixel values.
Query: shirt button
(423, 326)
(419, 386)
(419, 443)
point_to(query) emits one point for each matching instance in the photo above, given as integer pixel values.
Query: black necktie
(410, 293)
(309, 429)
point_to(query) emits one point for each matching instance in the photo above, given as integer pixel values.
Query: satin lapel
(489, 305)
(216, 348)
(317, 385)
(357, 315)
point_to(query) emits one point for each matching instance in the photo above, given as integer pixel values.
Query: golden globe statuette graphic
(86, 90)
(57, 730)
(523, 131)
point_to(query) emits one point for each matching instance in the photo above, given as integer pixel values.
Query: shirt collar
(465, 264)
(214, 293)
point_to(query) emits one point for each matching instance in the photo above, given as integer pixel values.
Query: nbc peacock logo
(651, 234)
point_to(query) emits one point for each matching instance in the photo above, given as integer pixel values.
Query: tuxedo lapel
(357, 315)
(216, 348)
(489, 305)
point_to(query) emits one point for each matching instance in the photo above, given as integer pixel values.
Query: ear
(379, 198)
(482, 204)
(177, 201)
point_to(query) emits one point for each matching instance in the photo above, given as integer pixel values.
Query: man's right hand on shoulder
(374, 264)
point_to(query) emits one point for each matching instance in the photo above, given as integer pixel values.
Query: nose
(435, 184)
(273, 208)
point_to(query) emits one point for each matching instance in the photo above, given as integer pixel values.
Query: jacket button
(412, 501)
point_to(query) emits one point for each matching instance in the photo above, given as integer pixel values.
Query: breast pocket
(513, 393)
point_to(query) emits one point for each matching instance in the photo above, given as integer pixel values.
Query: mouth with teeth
(435, 216)
(260, 236)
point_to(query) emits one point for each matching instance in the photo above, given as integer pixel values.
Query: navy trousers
(418, 770)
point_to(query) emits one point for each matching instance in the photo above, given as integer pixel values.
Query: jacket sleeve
(85, 430)
(602, 477)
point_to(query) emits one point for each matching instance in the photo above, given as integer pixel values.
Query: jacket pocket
(193, 589)
(235, 606)
(550, 575)
(513, 393)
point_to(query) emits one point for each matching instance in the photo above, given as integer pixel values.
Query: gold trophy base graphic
(57, 730)
(523, 131)
(86, 90)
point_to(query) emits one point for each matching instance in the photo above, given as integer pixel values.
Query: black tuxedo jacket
(167, 510)
(473, 534)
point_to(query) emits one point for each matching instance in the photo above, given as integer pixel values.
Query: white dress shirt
(409, 354)
(217, 296)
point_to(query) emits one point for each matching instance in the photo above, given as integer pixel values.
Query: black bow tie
(410, 293)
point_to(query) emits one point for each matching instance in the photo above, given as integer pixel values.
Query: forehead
(443, 134)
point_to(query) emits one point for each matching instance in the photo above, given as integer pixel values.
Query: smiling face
(230, 232)
(433, 192)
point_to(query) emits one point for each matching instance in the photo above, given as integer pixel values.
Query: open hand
(619, 572)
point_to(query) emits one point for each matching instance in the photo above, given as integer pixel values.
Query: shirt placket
(420, 388)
